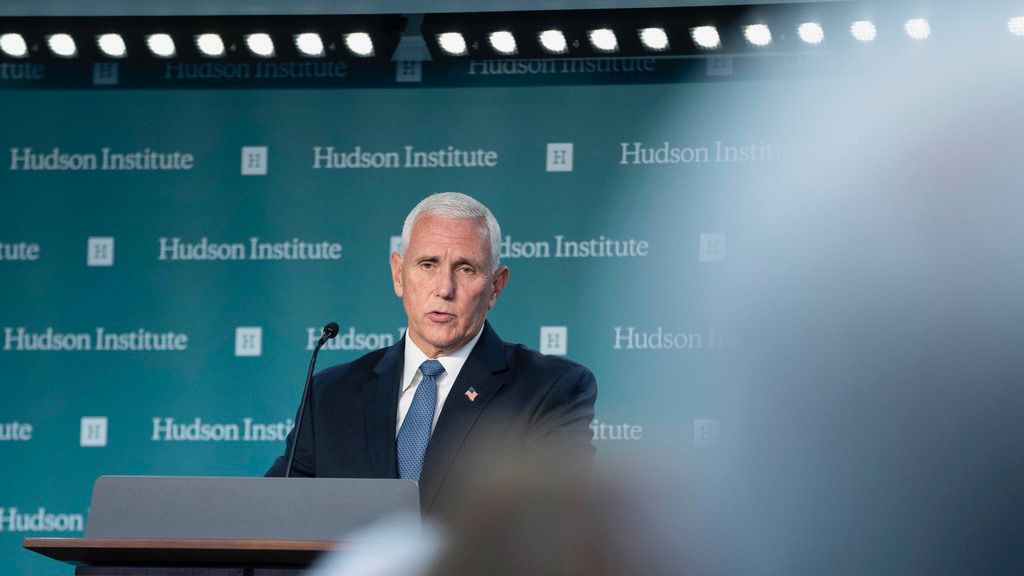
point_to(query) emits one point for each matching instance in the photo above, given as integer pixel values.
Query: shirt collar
(452, 363)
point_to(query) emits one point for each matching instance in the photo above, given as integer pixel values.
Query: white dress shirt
(411, 376)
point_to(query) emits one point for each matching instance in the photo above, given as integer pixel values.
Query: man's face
(445, 282)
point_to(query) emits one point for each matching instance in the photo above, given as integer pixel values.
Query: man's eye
(427, 265)
(466, 269)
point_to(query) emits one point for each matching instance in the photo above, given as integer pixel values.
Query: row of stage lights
(367, 37)
(210, 45)
(580, 33)
(656, 39)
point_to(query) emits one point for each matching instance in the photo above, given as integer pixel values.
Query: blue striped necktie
(415, 432)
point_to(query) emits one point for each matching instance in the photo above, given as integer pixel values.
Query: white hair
(456, 205)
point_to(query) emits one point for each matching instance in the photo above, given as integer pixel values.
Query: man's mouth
(440, 316)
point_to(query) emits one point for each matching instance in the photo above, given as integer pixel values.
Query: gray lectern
(209, 526)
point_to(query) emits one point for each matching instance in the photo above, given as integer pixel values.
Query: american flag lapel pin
(471, 394)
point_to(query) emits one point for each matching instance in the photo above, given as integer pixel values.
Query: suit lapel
(380, 411)
(483, 371)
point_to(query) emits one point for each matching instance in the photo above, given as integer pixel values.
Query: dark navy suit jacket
(524, 400)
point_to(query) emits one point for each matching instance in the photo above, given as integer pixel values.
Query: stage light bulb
(309, 44)
(758, 34)
(260, 44)
(1016, 25)
(452, 43)
(917, 28)
(603, 40)
(553, 41)
(863, 30)
(359, 43)
(706, 37)
(62, 45)
(811, 33)
(13, 45)
(112, 45)
(503, 42)
(161, 45)
(654, 39)
(210, 45)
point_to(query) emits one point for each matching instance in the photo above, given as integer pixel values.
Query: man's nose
(445, 287)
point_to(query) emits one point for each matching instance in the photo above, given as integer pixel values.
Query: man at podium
(450, 394)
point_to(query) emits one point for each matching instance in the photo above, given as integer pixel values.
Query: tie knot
(431, 369)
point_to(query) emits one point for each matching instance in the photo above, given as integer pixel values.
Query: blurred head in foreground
(536, 516)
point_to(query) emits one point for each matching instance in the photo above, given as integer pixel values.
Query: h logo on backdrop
(719, 66)
(249, 341)
(100, 251)
(254, 160)
(554, 340)
(94, 432)
(559, 157)
(705, 432)
(712, 247)
(408, 71)
(104, 74)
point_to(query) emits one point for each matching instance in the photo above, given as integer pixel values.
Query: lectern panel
(243, 508)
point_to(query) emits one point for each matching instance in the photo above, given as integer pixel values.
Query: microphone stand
(330, 331)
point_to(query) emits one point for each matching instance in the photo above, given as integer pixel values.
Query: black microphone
(330, 331)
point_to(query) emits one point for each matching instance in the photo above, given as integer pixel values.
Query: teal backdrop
(745, 253)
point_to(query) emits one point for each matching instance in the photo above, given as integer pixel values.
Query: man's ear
(396, 273)
(498, 284)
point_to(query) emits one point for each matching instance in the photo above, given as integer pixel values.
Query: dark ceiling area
(225, 7)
